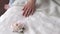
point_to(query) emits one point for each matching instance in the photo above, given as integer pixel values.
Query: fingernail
(25, 15)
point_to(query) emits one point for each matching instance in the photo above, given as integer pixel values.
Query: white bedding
(46, 19)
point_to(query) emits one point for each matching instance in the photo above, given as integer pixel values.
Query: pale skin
(29, 8)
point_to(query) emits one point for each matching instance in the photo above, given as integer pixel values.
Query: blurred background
(2, 4)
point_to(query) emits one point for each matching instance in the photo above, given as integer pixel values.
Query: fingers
(28, 11)
(32, 12)
(25, 13)
(24, 8)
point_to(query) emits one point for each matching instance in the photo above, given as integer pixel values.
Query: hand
(29, 9)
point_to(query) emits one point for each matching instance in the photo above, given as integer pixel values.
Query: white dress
(46, 19)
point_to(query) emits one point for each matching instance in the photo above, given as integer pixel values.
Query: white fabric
(46, 19)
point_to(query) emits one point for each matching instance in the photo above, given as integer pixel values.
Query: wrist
(32, 1)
